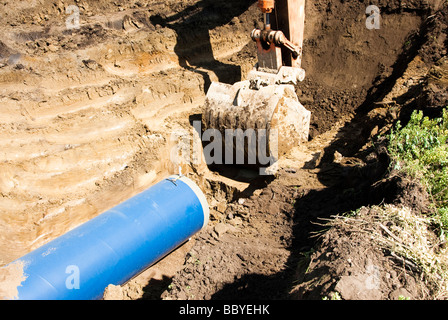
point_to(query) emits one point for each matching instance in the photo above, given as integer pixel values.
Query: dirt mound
(348, 264)
(401, 190)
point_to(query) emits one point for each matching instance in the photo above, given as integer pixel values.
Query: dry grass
(408, 238)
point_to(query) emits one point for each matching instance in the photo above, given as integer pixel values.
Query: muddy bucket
(257, 124)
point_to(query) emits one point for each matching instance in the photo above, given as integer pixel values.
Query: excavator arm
(284, 22)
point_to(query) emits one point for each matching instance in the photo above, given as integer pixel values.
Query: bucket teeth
(273, 111)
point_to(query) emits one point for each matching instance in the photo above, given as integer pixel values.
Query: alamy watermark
(373, 21)
(373, 280)
(231, 147)
(73, 20)
(72, 282)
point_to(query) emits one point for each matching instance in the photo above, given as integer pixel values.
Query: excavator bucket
(272, 116)
(260, 119)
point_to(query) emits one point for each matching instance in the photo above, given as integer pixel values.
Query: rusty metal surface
(270, 58)
(289, 17)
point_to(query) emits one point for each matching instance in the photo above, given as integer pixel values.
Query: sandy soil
(88, 114)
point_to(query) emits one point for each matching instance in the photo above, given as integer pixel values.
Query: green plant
(333, 296)
(421, 150)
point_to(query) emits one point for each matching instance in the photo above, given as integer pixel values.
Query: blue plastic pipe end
(117, 245)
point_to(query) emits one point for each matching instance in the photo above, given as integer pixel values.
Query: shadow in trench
(193, 46)
(310, 209)
(155, 287)
(246, 174)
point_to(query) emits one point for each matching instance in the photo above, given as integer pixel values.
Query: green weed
(421, 150)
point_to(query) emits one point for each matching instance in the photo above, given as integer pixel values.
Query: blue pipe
(117, 245)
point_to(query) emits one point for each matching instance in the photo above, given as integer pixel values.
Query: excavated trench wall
(88, 114)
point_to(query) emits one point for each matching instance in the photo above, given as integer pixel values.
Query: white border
(202, 199)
